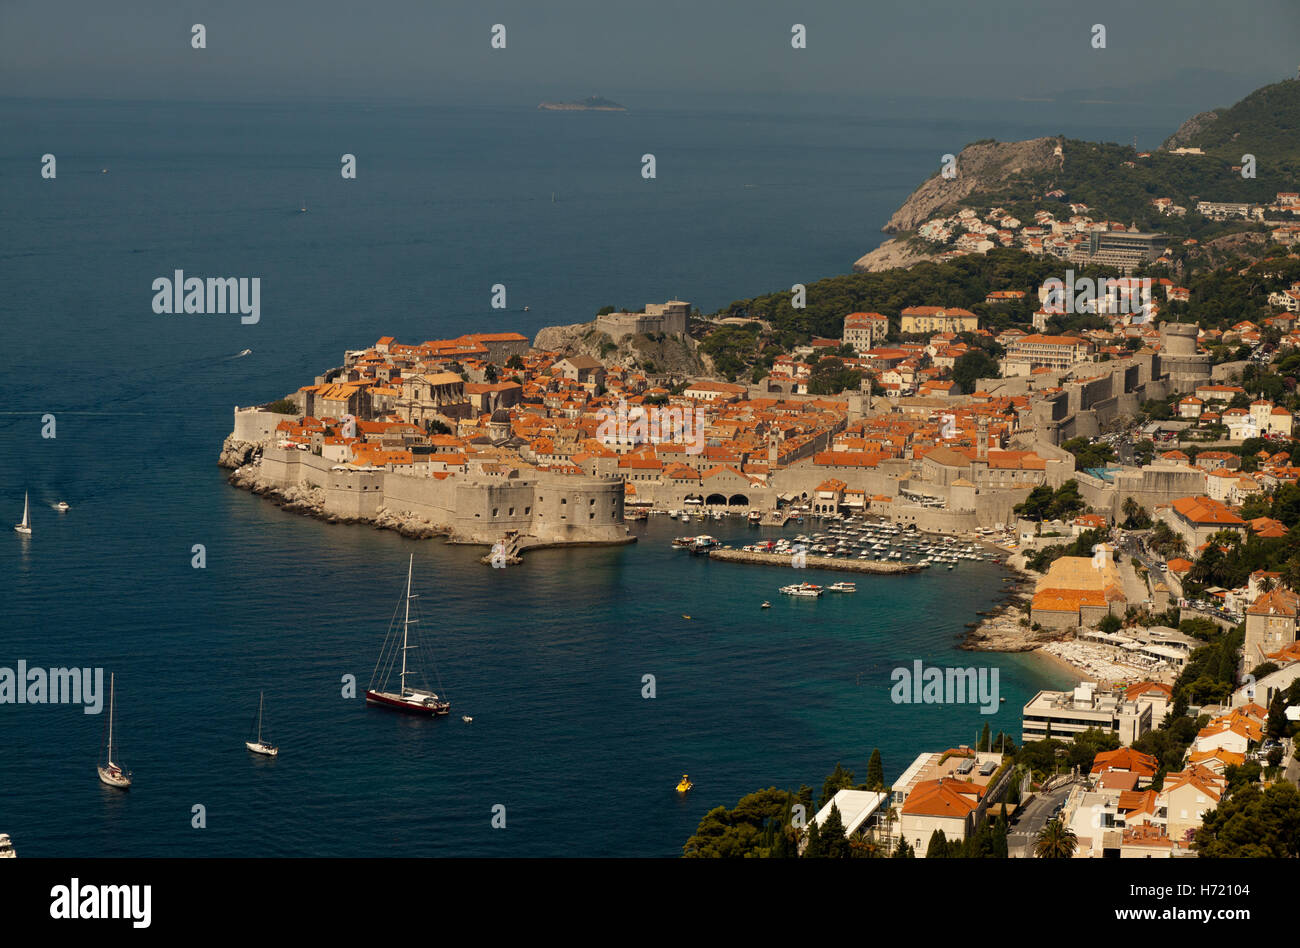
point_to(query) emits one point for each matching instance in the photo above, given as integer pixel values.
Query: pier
(814, 562)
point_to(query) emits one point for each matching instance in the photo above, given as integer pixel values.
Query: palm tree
(1055, 841)
(1130, 509)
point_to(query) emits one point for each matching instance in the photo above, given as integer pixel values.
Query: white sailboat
(111, 773)
(25, 528)
(260, 746)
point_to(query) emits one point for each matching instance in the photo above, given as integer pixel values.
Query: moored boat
(407, 699)
(802, 590)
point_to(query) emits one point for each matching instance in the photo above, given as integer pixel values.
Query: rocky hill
(1265, 123)
(981, 167)
(658, 354)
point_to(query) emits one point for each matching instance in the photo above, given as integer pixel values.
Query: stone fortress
(667, 318)
(528, 509)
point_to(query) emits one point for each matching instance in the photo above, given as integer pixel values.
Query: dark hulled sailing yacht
(405, 698)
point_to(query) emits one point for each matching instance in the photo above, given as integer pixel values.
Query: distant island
(590, 104)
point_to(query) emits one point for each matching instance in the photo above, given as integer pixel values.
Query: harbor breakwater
(814, 562)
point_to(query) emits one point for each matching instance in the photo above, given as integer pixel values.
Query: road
(1030, 820)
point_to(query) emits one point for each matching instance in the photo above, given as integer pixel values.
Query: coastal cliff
(235, 453)
(982, 167)
(890, 255)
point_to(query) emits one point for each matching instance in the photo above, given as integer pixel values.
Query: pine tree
(840, 779)
(814, 848)
(904, 851)
(984, 738)
(1000, 830)
(938, 848)
(875, 772)
(833, 843)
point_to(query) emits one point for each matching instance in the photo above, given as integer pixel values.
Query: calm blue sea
(548, 657)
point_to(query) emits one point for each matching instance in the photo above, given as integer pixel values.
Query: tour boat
(25, 528)
(406, 699)
(684, 784)
(703, 543)
(755, 516)
(804, 590)
(111, 774)
(62, 506)
(842, 588)
(7, 847)
(259, 746)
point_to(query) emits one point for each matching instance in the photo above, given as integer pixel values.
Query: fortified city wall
(544, 508)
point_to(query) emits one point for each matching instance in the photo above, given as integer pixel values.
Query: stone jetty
(814, 562)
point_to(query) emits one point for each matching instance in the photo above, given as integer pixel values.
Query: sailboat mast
(112, 682)
(260, 695)
(25, 519)
(406, 624)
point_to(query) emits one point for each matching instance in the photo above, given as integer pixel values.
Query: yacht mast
(406, 624)
(111, 689)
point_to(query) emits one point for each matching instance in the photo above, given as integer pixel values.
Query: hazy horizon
(401, 50)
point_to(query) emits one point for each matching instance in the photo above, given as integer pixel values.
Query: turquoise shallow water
(548, 657)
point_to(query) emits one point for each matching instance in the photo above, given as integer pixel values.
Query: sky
(1211, 53)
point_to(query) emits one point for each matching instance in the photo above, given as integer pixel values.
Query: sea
(121, 413)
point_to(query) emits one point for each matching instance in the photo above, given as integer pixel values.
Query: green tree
(875, 771)
(751, 829)
(1253, 823)
(1055, 841)
(938, 848)
(283, 406)
(972, 366)
(833, 843)
(840, 779)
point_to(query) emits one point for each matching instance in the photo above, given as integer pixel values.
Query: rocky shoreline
(999, 629)
(242, 457)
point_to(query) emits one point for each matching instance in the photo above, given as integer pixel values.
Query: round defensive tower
(1179, 360)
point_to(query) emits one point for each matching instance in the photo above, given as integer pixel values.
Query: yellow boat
(685, 784)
